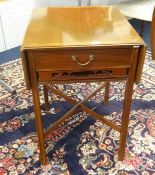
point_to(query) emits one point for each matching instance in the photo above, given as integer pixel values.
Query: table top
(139, 9)
(78, 27)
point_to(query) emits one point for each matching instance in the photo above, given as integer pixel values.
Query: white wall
(105, 2)
(15, 15)
(114, 1)
(45, 3)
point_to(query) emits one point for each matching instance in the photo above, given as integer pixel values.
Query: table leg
(39, 124)
(37, 110)
(142, 25)
(89, 2)
(10, 89)
(125, 120)
(45, 91)
(106, 93)
(79, 2)
(127, 106)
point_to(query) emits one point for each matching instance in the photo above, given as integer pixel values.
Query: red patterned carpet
(82, 145)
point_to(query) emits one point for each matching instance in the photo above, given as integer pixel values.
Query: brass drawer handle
(91, 57)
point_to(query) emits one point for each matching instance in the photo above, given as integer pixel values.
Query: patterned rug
(82, 145)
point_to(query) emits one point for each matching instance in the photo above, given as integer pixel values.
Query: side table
(81, 44)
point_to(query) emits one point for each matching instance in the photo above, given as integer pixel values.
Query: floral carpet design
(81, 145)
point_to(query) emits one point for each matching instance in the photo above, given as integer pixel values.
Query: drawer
(82, 59)
(82, 75)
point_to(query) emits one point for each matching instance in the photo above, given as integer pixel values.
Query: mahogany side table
(81, 44)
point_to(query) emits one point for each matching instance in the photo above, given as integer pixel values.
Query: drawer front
(82, 75)
(82, 59)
